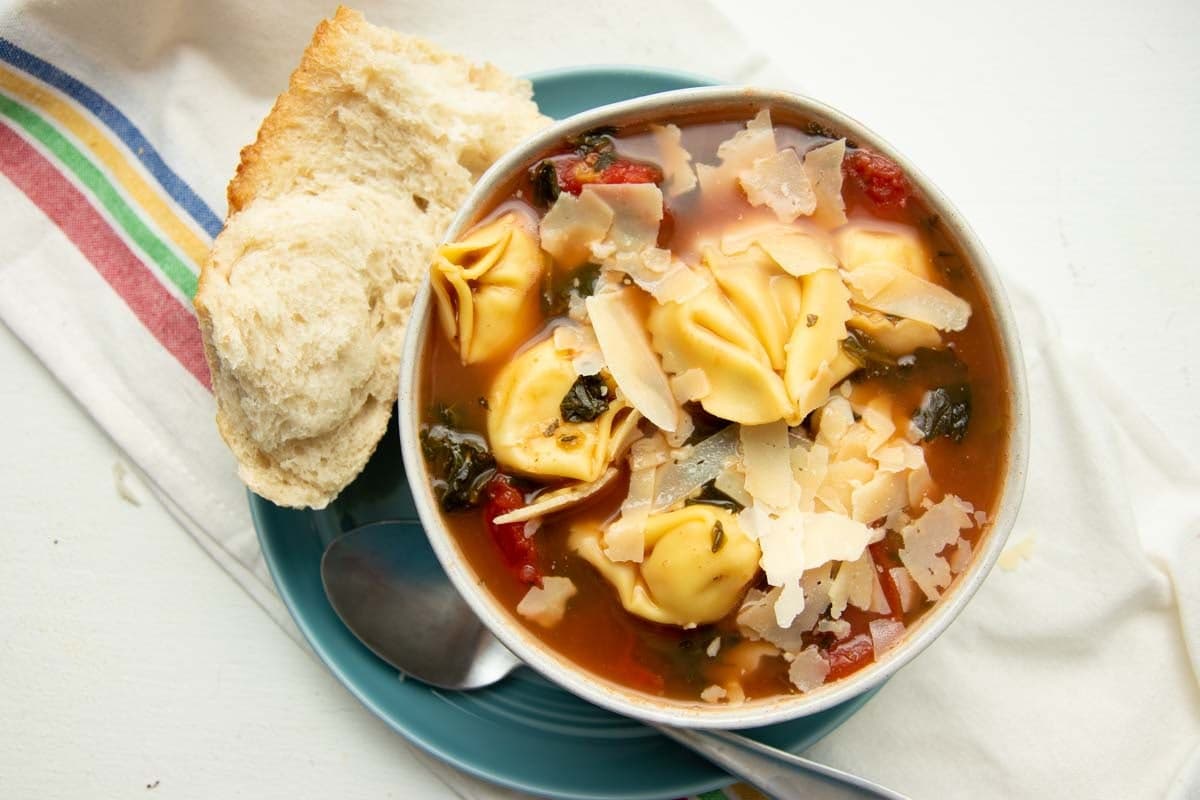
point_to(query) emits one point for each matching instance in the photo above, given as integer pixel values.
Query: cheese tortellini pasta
(486, 289)
(526, 429)
(698, 563)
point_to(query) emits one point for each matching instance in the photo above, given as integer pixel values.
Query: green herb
(460, 462)
(817, 129)
(811, 320)
(586, 399)
(945, 411)
(559, 287)
(710, 495)
(718, 536)
(864, 351)
(544, 178)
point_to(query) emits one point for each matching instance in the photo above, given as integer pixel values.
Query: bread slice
(334, 214)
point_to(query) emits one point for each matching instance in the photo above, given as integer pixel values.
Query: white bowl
(729, 103)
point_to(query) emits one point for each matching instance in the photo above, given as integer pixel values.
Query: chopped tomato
(848, 655)
(519, 551)
(634, 672)
(574, 171)
(882, 181)
(883, 562)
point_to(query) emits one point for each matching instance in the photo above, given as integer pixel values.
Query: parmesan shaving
(780, 183)
(625, 539)
(678, 176)
(557, 500)
(705, 461)
(766, 462)
(678, 437)
(739, 152)
(573, 225)
(637, 210)
(897, 291)
(714, 647)
(713, 694)
(832, 537)
(884, 634)
(690, 385)
(546, 605)
(885, 493)
(852, 586)
(838, 627)
(905, 588)
(731, 482)
(824, 167)
(626, 348)
(960, 556)
(926, 537)
(808, 669)
(648, 453)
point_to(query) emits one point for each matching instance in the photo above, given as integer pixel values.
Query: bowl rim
(556, 667)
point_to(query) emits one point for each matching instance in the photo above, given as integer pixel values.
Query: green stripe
(90, 175)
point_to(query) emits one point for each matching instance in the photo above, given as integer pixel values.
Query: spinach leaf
(544, 178)
(865, 352)
(558, 288)
(944, 411)
(460, 462)
(710, 495)
(586, 399)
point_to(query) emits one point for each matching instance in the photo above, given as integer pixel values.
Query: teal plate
(525, 732)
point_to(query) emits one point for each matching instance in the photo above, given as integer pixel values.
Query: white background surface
(1069, 137)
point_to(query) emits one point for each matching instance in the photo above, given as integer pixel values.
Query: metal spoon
(382, 577)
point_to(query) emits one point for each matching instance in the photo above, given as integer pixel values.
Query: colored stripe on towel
(119, 124)
(171, 323)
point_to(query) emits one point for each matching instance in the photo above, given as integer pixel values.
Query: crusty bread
(333, 217)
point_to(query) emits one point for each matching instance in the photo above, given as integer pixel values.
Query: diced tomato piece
(883, 563)
(575, 171)
(882, 181)
(519, 551)
(848, 655)
(634, 672)
(631, 172)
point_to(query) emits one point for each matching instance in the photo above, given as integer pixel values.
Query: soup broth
(942, 391)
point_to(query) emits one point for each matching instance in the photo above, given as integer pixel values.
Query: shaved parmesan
(558, 500)
(879, 602)
(648, 453)
(808, 669)
(780, 183)
(884, 493)
(898, 455)
(630, 358)
(679, 284)
(832, 537)
(884, 634)
(960, 556)
(625, 539)
(905, 588)
(925, 538)
(713, 694)
(678, 437)
(757, 619)
(637, 211)
(824, 167)
(580, 344)
(897, 291)
(678, 175)
(573, 225)
(546, 605)
(838, 627)
(690, 385)
(739, 152)
(852, 586)
(835, 419)
(714, 647)
(767, 464)
(731, 482)
(920, 484)
(706, 460)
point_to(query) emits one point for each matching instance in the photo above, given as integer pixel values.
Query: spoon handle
(775, 772)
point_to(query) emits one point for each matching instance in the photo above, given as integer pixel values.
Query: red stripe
(171, 323)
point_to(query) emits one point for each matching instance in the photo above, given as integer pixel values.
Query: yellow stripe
(111, 157)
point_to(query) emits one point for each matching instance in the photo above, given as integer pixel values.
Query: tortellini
(735, 332)
(698, 562)
(768, 343)
(486, 289)
(815, 361)
(526, 429)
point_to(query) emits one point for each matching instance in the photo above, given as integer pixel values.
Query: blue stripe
(111, 116)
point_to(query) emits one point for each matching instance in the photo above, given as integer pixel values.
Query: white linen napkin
(1074, 671)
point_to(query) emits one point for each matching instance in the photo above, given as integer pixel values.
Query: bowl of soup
(713, 407)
